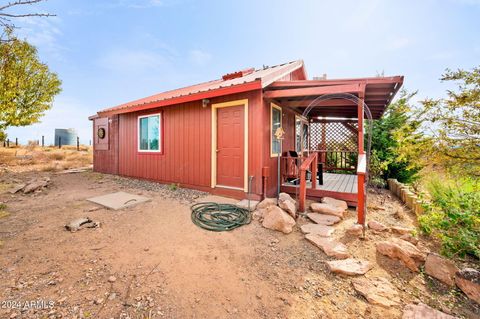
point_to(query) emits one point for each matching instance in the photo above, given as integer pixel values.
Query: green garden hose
(219, 217)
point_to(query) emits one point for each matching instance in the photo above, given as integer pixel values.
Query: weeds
(453, 215)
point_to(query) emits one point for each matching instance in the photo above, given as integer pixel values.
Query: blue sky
(110, 52)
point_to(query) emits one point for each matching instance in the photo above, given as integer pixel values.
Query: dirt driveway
(150, 261)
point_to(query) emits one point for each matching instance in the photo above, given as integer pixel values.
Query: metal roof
(235, 82)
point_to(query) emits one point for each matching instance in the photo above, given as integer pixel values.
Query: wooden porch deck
(339, 186)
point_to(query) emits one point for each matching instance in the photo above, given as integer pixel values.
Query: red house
(219, 136)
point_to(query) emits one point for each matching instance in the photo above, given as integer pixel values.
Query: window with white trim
(149, 133)
(275, 123)
(301, 134)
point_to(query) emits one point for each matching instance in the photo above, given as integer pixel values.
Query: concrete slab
(244, 204)
(118, 200)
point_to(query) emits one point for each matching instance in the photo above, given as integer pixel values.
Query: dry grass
(35, 158)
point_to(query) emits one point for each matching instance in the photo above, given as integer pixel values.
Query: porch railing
(338, 160)
(310, 164)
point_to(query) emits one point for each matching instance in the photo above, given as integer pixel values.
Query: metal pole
(59, 142)
(78, 143)
(8, 142)
(43, 141)
(16, 141)
(278, 173)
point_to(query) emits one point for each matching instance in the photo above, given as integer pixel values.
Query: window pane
(305, 136)
(144, 133)
(276, 123)
(153, 132)
(298, 135)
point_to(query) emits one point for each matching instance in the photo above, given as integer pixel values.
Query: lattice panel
(334, 136)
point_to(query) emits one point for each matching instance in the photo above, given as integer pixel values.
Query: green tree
(27, 86)
(456, 120)
(395, 131)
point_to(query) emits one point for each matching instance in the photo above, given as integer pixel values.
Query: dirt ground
(151, 261)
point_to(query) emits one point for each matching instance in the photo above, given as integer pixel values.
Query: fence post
(59, 142)
(43, 141)
(90, 143)
(8, 142)
(78, 143)
(16, 141)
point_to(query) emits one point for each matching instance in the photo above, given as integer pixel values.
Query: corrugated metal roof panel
(266, 75)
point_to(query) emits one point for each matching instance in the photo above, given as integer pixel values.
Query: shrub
(453, 215)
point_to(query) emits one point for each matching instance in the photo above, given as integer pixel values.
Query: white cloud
(199, 57)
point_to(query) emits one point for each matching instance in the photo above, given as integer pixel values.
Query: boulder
(330, 247)
(377, 291)
(441, 268)
(349, 267)
(287, 203)
(468, 280)
(322, 219)
(410, 238)
(402, 250)
(316, 229)
(16, 188)
(327, 209)
(401, 230)
(422, 311)
(258, 214)
(266, 203)
(376, 226)
(335, 202)
(276, 218)
(355, 230)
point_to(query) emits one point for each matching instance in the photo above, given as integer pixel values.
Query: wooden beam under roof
(312, 91)
(309, 83)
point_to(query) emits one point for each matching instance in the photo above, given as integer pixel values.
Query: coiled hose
(219, 217)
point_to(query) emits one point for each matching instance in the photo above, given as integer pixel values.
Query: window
(301, 135)
(275, 123)
(149, 131)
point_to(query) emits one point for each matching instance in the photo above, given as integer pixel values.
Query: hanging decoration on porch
(279, 133)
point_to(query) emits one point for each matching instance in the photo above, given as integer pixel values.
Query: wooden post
(314, 171)
(59, 142)
(8, 142)
(78, 143)
(360, 174)
(16, 141)
(43, 141)
(303, 191)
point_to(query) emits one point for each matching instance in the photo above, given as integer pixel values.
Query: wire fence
(41, 142)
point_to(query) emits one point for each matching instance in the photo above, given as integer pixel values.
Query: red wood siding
(105, 157)
(186, 158)
(186, 146)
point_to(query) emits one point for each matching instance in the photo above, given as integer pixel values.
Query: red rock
(288, 204)
(266, 203)
(410, 238)
(323, 219)
(316, 229)
(335, 202)
(441, 268)
(401, 230)
(327, 209)
(422, 311)
(377, 291)
(468, 280)
(349, 267)
(402, 250)
(376, 226)
(277, 219)
(355, 230)
(330, 247)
